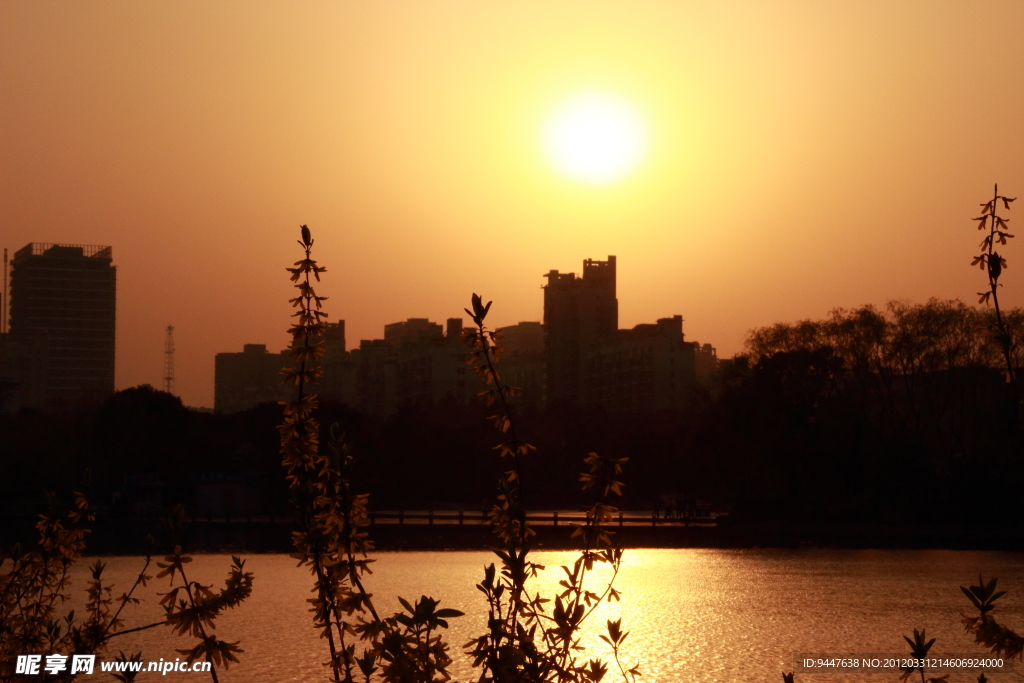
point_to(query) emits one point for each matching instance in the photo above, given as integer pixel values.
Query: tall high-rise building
(580, 313)
(63, 306)
(591, 362)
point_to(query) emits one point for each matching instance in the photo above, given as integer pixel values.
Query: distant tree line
(901, 414)
(898, 413)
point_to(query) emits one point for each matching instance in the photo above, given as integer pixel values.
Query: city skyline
(578, 356)
(799, 158)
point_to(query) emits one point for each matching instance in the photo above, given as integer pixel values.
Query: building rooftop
(55, 249)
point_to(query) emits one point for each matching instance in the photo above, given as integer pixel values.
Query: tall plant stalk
(309, 473)
(524, 642)
(405, 647)
(991, 260)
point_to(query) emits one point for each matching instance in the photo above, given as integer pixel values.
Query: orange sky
(803, 156)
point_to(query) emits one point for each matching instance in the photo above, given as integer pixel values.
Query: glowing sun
(595, 137)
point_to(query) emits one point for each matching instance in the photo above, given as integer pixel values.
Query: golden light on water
(595, 137)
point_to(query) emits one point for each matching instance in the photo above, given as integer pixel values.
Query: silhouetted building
(334, 339)
(376, 377)
(338, 381)
(14, 360)
(417, 362)
(522, 366)
(59, 352)
(246, 379)
(591, 362)
(411, 331)
(579, 314)
(705, 362)
(522, 338)
(647, 367)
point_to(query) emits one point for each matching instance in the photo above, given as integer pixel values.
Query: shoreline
(128, 536)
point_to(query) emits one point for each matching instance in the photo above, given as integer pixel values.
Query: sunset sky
(801, 156)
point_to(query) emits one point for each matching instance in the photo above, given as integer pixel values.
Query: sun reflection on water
(693, 615)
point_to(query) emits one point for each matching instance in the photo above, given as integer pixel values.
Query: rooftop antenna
(169, 360)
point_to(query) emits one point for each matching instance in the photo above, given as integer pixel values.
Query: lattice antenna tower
(169, 360)
(3, 302)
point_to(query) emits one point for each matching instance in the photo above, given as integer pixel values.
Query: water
(693, 615)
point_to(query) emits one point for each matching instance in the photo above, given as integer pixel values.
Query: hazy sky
(803, 156)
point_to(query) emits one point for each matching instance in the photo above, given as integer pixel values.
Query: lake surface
(693, 615)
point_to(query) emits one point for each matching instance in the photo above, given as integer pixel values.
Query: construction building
(59, 352)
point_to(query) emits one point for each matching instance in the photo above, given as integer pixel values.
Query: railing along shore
(464, 518)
